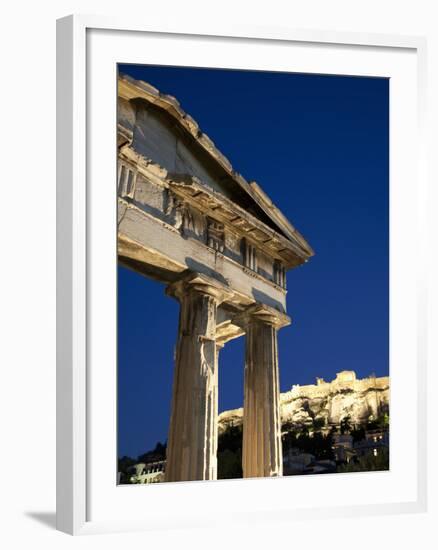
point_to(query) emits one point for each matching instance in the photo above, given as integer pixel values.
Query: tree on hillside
(123, 465)
(229, 464)
(358, 433)
(379, 423)
(318, 423)
(368, 463)
(318, 444)
(158, 453)
(345, 425)
(229, 456)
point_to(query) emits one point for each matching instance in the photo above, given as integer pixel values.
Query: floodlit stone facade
(187, 219)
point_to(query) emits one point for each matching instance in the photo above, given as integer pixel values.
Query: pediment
(147, 118)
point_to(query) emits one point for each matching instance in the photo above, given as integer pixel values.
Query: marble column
(192, 441)
(262, 450)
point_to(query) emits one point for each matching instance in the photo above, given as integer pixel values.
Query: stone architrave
(262, 450)
(192, 443)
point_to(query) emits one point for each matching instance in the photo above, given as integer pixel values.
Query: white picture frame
(76, 214)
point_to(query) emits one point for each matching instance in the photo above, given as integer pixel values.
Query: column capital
(263, 314)
(200, 283)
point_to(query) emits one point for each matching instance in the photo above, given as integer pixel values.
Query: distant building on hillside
(327, 403)
(374, 443)
(152, 472)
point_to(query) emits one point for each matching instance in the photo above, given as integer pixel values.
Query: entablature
(153, 247)
(198, 211)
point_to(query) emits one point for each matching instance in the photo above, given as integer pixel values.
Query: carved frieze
(181, 212)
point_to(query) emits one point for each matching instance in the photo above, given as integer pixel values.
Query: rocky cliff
(327, 402)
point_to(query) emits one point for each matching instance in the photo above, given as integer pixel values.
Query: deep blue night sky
(318, 145)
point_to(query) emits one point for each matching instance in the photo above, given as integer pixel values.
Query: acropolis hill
(329, 402)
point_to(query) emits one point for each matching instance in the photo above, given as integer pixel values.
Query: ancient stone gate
(187, 219)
